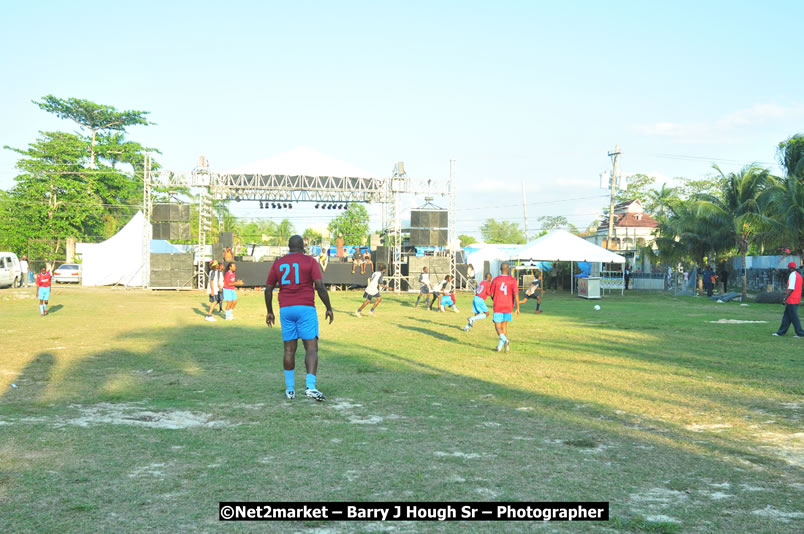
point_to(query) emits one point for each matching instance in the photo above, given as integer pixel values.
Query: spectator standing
(24, 271)
(339, 247)
(791, 302)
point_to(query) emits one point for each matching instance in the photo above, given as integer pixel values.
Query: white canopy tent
(560, 245)
(116, 261)
(493, 253)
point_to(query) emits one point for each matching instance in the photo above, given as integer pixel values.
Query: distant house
(633, 229)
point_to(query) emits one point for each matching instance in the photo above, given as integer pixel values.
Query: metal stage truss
(216, 187)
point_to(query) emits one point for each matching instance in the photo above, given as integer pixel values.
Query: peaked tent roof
(560, 245)
(302, 161)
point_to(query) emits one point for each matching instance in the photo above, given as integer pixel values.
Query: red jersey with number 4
(294, 275)
(43, 280)
(483, 289)
(504, 290)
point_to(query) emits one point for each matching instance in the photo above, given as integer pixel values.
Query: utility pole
(614, 157)
(525, 210)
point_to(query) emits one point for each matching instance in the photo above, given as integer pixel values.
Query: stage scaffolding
(217, 187)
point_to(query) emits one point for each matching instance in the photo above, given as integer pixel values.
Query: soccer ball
(597, 307)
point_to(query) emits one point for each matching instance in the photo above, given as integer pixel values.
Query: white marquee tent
(116, 261)
(560, 245)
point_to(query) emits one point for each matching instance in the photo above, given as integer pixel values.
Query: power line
(705, 158)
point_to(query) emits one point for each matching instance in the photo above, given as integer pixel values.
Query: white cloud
(717, 131)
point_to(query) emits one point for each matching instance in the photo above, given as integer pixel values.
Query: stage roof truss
(301, 188)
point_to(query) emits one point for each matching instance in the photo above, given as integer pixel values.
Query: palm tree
(659, 201)
(787, 196)
(738, 209)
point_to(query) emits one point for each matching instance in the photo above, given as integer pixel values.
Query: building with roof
(633, 230)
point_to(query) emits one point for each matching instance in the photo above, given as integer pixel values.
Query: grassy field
(132, 414)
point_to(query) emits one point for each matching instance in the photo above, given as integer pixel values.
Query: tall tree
(638, 187)
(96, 118)
(738, 208)
(553, 222)
(787, 195)
(494, 231)
(52, 198)
(353, 223)
(790, 154)
(466, 240)
(313, 236)
(658, 201)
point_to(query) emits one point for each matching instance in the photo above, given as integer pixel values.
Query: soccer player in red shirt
(505, 292)
(479, 302)
(43, 280)
(296, 274)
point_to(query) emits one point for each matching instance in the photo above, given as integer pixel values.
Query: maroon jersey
(504, 290)
(43, 280)
(229, 280)
(294, 275)
(483, 289)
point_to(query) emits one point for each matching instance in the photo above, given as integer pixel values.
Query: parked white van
(10, 272)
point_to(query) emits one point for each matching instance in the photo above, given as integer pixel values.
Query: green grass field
(133, 414)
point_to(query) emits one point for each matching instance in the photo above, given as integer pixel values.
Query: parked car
(10, 272)
(69, 272)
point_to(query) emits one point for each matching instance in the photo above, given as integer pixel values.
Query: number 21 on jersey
(285, 270)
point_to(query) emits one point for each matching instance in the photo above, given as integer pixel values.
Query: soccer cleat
(499, 347)
(357, 313)
(210, 318)
(798, 335)
(229, 318)
(290, 394)
(455, 309)
(538, 311)
(507, 346)
(441, 308)
(467, 327)
(371, 312)
(776, 334)
(314, 394)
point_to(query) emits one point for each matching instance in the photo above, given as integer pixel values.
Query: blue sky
(512, 91)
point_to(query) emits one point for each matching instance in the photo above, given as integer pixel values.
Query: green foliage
(466, 240)
(658, 202)
(502, 232)
(312, 236)
(97, 118)
(790, 154)
(553, 222)
(638, 187)
(72, 185)
(353, 223)
(263, 231)
(710, 185)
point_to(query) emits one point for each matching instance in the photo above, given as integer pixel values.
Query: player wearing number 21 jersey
(298, 278)
(505, 292)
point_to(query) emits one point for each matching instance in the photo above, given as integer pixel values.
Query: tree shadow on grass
(431, 333)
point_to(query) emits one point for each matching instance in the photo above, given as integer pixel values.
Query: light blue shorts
(479, 305)
(44, 293)
(229, 294)
(446, 300)
(501, 317)
(298, 322)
